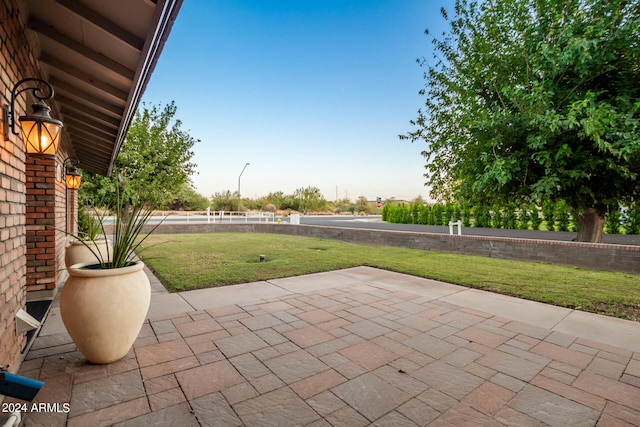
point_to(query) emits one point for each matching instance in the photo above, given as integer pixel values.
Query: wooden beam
(87, 135)
(90, 113)
(87, 78)
(82, 11)
(73, 93)
(91, 125)
(92, 145)
(108, 63)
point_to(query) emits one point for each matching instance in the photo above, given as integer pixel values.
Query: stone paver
(371, 396)
(355, 347)
(552, 409)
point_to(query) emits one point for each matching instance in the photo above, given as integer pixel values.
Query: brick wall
(32, 196)
(13, 62)
(622, 258)
(41, 223)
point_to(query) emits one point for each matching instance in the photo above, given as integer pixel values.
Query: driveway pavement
(354, 347)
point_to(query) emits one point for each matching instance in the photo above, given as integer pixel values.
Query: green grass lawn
(196, 261)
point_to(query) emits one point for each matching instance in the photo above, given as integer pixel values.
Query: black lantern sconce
(71, 176)
(40, 133)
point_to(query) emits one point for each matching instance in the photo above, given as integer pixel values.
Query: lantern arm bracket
(71, 162)
(37, 92)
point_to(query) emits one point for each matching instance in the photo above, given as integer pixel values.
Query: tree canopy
(154, 163)
(533, 100)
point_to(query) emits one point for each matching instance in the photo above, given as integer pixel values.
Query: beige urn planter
(104, 309)
(77, 252)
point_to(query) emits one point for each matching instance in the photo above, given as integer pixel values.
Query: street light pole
(245, 166)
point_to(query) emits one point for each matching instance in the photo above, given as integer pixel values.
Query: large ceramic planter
(104, 309)
(77, 252)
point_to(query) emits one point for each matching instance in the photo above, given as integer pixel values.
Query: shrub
(633, 219)
(385, 211)
(457, 214)
(437, 214)
(548, 211)
(536, 219)
(612, 223)
(447, 214)
(510, 218)
(562, 216)
(423, 214)
(483, 217)
(496, 217)
(523, 218)
(466, 215)
(574, 219)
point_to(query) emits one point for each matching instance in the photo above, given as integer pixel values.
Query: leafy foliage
(612, 225)
(155, 161)
(130, 217)
(562, 216)
(632, 219)
(556, 216)
(549, 212)
(188, 199)
(533, 100)
(89, 224)
(536, 219)
(225, 201)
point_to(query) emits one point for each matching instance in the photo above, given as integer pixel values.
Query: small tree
(310, 199)
(226, 201)
(363, 205)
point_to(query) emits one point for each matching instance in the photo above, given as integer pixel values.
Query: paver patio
(354, 347)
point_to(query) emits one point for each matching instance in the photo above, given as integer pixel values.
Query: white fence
(229, 216)
(208, 217)
(226, 216)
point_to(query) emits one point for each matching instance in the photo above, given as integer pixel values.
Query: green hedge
(550, 216)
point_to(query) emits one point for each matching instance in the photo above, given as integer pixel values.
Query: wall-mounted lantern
(72, 177)
(40, 133)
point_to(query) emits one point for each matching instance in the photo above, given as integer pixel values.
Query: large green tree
(533, 100)
(154, 163)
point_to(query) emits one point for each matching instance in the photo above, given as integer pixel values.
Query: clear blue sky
(309, 92)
